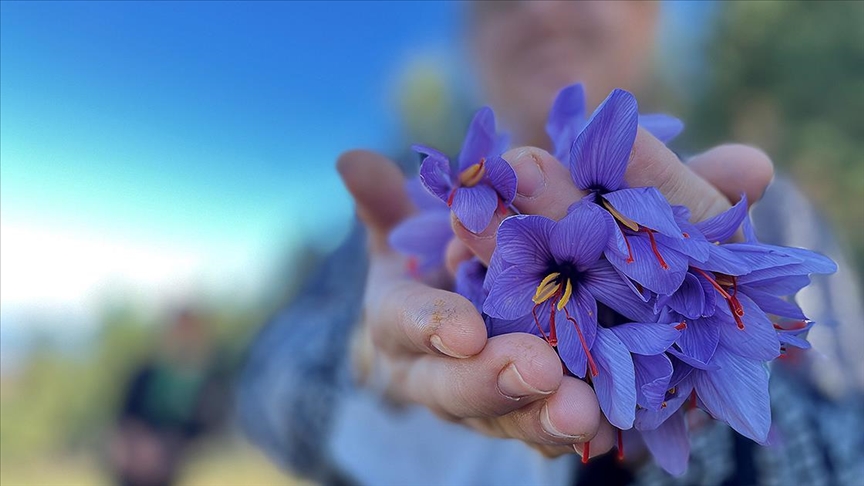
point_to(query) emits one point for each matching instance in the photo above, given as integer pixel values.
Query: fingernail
(531, 181)
(549, 427)
(438, 344)
(513, 386)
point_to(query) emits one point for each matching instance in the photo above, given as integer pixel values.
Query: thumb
(378, 188)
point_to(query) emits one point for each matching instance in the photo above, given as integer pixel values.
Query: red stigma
(685, 235)
(586, 452)
(681, 326)
(591, 364)
(734, 305)
(450, 198)
(540, 328)
(620, 445)
(654, 248)
(630, 258)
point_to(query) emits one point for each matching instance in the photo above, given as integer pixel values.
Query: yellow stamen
(633, 225)
(471, 176)
(568, 290)
(547, 288)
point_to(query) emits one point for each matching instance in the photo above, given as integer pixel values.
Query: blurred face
(526, 51)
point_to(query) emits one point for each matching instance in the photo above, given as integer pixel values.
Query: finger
(544, 188)
(603, 442)
(735, 169)
(406, 316)
(570, 415)
(481, 244)
(511, 371)
(456, 253)
(378, 188)
(544, 184)
(653, 164)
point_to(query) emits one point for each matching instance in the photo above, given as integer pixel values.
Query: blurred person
(170, 401)
(369, 377)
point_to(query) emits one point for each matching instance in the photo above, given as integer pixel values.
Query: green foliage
(789, 77)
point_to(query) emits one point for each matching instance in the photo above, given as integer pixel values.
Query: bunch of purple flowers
(660, 315)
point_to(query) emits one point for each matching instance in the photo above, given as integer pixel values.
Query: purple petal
(669, 444)
(652, 379)
(771, 304)
(760, 257)
(583, 309)
(651, 419)
(496, 266)
(615, 290)
(694, 245)
(435, 173)
(523, 324)
(810, 261)
(475, 206)
(737, 394)
(502, 178)
(615, 384)
(616, 243)
(646, 206)
(566, 120)
(690, 361)
(481, 141)
(422, 198)
(722, 260)
(724, 225)
(600, 154)
(689, 299)
(647, 338)
(469, 282)
(757, 340)
(792, 336)
(664, 127)
(425, 236)
(645, 268)
(699, 340)
(580, 237)
(524, 240)
(785, 285)
(510, 295)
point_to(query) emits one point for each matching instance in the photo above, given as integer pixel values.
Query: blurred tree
(789, 77)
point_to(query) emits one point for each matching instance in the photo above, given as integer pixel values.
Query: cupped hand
(429, 346)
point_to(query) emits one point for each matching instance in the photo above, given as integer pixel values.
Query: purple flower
(567, 119)
(648, 342)
(637, 216)
(470, 275)
(544, 268)
(424, 236)
(483, 181)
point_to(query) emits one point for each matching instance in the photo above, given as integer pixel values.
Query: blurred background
(166, 182)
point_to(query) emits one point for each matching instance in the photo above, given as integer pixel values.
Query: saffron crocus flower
(553, 272)
(424, 236)
(482, 182)
(598, 160)
(567, 119)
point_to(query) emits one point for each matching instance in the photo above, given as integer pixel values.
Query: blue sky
(185, 135)
(169, 147)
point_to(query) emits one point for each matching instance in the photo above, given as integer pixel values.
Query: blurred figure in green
(169, 401)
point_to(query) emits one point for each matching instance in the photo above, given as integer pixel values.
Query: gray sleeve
(297, 366)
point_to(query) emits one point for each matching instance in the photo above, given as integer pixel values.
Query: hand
(430, 345)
